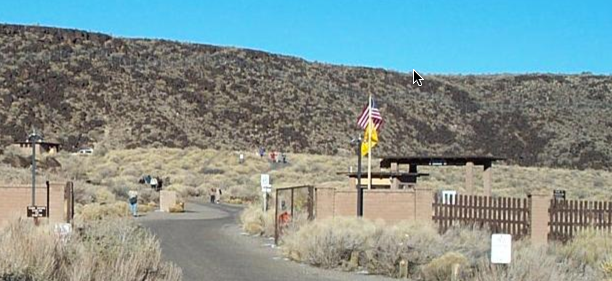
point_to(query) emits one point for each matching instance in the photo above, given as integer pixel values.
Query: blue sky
(430, 36)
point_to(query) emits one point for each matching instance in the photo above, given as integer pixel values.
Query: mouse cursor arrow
(417, 78)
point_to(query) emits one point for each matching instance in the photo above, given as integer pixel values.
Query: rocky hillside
(83, 88)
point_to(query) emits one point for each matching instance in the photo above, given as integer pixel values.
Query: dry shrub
(255, 221)
(147, 195)
(441, 269)
(96, 211)
(28, 252)
(413, 242)
(330, 242)
(178, 208)
(530, 262)
(101, 250)
(104, 196)
(473, 243)
(590, 247)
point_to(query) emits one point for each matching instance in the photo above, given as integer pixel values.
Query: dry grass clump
(97, 211)
(590, 247)
(441, 268)
(100, 250)
(254, 221)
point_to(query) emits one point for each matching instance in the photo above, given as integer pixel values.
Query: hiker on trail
(133, 200)
(284, 157)
(241, 158)
(273, 156)
(218, 196)
(262, 151)
(212, 195)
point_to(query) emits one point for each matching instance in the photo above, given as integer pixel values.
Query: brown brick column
(539, 204)
(423, 209)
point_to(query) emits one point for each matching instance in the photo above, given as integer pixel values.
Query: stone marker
(167, 200)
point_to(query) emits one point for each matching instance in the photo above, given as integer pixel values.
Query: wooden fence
(500, 215)
(567, 217)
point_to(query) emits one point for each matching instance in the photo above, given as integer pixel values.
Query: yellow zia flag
(369, 132)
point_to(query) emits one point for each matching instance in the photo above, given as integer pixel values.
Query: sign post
(501, 248)
(265, 188)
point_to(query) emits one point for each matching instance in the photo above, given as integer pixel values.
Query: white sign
(265, 181)
(501, 248)
(63, 230)
(449, 196)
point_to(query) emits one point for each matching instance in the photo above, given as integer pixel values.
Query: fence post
(539, 217)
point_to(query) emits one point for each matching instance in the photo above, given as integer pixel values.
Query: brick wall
(386, 204)
(15, 199)
(389, 205)
(324, 202)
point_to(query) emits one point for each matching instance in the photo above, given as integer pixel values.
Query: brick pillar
(469, 177)
(539, 204)
(486, 179)
(394, 167)
(324, 202)
(423, 199)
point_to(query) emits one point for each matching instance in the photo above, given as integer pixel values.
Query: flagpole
(370, 143)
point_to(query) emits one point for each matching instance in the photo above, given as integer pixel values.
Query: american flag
(377, 119)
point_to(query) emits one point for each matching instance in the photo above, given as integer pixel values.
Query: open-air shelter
(393, 163)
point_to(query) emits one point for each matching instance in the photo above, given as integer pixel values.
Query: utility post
(34, 137)
(357, 143)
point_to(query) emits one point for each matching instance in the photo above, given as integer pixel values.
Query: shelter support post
(469, 177)
(486, 179)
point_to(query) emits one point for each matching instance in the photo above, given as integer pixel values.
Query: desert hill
(83, 88)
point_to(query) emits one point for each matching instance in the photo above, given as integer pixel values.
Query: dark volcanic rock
(81, 87)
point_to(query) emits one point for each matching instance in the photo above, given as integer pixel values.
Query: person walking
(218, 196)
(133, 200)
(212, 195)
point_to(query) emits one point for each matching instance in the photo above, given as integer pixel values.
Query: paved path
(207, 243)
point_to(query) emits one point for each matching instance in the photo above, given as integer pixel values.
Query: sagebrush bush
(97, 211)
(441, 268)
(413, 242)
(473, 243)
(99, 250)
(329, 242)
(255, 221)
